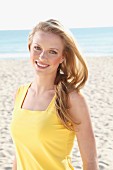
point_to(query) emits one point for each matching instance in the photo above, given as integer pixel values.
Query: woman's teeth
(41, 65)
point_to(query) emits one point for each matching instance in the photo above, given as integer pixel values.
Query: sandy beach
(98, 92)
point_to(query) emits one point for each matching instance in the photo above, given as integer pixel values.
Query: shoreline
(98, 92)
(26, 57)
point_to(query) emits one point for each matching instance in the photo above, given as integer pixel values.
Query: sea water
(92, 42)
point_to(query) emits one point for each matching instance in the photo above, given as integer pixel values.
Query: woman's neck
(43, 84)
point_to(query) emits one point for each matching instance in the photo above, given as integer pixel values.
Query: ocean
(92, 42)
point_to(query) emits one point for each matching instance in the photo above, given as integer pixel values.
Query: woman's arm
(84, 132)
(14, 164)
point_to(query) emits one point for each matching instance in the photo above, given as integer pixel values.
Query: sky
(25, 14)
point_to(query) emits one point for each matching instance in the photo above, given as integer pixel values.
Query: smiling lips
(41, 65)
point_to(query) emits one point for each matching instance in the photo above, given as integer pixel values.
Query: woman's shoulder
(76, 97)
(23, 86)
(20, 89)
(78, 106)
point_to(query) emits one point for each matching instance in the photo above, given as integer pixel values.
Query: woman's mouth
(41, 65)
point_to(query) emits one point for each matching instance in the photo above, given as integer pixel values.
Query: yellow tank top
(41, 140)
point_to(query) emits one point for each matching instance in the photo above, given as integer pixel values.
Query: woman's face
(46, 52)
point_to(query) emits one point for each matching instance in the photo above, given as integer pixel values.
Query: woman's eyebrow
(36, 44)
(52, 48)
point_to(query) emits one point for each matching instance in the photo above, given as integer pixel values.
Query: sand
(99, 95)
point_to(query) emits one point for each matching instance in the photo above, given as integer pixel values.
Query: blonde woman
(50, 112)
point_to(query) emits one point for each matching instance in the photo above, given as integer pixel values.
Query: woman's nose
(42, 55)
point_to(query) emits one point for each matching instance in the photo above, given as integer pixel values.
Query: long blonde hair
(72, 73)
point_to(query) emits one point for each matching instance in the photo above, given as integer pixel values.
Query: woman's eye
(37, 48)
(52, 52)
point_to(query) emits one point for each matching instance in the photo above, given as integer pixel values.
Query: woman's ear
(62, 59)
(29, 46)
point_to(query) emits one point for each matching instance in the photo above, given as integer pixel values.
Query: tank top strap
(20, 95)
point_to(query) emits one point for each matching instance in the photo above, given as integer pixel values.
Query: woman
(51, 111)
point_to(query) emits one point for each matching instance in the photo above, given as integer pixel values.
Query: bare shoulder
(78, 106)
(76, 97)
